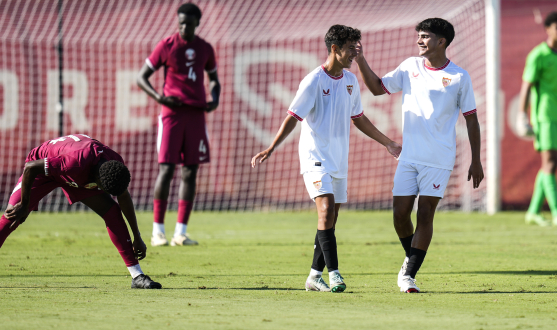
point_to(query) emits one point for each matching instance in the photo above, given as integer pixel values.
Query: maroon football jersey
(184, 63)
(70, 159)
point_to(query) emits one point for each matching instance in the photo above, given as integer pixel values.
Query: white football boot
(408, 285)
(336, 282)
(316, 283)
(158, 240)
(182, 240)
(402, 271)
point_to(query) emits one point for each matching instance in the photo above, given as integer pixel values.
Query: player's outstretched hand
(17, 214)
(211, 106)
(262, 156)
(171, 101)
(139, 249)
(476, 172)
(394, 149)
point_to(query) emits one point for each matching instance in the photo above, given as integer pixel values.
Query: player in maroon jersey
(87, 171)
(182, 136)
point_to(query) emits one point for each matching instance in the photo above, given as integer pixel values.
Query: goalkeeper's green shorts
(546, 136)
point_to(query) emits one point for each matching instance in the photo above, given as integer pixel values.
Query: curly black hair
(190, 9)
(439, 27)
(340, 34)
(550, 19)
(115, 177)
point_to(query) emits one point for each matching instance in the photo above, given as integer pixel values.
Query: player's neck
(436, 60)
(552, 44)
(187, 38)
(333, 67)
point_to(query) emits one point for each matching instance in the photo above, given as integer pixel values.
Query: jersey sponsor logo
(190, 54)
(446, 81)
(415, 74)
(436, 187)
(349, 88)
(190, 63)
(326, 93)
(317, 184)
(202, 158)
(91, 185)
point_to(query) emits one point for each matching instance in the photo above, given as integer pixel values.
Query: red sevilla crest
(317, 184)
(446, 82)
(349, 88)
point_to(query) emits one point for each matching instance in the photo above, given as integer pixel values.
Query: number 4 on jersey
(191, 74)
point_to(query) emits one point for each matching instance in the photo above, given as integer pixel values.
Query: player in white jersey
(434, 90)
(327, 100)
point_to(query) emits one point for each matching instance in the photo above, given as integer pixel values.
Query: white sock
(180, 229)
(158, 228)
(135, 270)
(315, 273)
(331, 273)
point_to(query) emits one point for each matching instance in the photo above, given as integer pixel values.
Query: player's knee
(189, 173)
(401, 214)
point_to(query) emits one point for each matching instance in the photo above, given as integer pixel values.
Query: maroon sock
(5, 230)
(184, 210)
(119, 235)
(159, 209)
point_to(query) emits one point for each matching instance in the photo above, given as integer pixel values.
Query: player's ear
(442, 42)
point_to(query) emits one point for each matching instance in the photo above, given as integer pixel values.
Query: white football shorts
(319, 183)
(413, 179)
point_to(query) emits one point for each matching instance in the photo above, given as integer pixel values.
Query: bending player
(327, 99)
(182, 137)
(434, 89)
(87, 171)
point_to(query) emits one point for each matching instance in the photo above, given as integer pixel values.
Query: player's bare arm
(476, 172)
(19, 211)
(145, 85)
(524, 105)
(286, 128)
(372, 81)
(126, 205)
(365, 125)
(214, 88)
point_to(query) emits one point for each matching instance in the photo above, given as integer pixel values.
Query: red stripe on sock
(159, 209)
(184, 210)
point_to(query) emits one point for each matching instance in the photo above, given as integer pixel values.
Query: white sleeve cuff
(149, 64)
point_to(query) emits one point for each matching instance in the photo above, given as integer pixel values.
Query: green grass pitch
(60, 271)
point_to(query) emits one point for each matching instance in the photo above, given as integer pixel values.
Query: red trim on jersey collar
(333, 77)
(437, 69)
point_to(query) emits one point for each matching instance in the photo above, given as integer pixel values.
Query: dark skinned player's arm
(30, 172)
(476, 171)
(143, 82)
(214, 89)
(126, 205)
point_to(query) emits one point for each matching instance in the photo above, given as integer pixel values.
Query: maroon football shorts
(182, 136)
(43, 185)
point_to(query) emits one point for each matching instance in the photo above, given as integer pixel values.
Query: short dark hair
(550, 19)
(340, 34)
(439, 27)
(115, 177)
(190, 9)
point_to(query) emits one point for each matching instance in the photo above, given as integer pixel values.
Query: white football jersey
(431, 100)
(325, 105)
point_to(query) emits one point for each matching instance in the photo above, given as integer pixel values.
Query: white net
(263, 48)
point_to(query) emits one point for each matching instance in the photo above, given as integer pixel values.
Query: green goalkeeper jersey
(541, 71)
